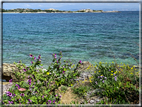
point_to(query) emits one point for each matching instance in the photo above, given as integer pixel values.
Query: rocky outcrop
(8, 72)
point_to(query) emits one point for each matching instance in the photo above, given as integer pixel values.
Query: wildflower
(29, 80)
(131, 73)
(99, 71)
(95, 72)
(63, 72)
(32, 62)
(30, 100)
(103, 81)
(80, 61)
(63, 67)
(22, 89)
(49, 101)
(111, 71)
(34, 58)
(56, 95)
(54, 101)
(111, 74)
(18, 86)
(105, 77)
(43, 96)
(22, 94)
(98, 77)
(132, 68)
(9, 94)
(24, 70)
(115, 78)
(10, 102)
(31, 55)
(96, 82)
(101, 76)
(19, 61)
(71, 85)
(90, 81)
(39, 56)
(10, 80)
(47, 73)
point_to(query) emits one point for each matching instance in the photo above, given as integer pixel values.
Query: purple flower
(109, 70)
(29, 80)
(43, 96)
(10, 80)
(32, 62)
(14, 95)
(80, 61)
(56, 95)
(9, 93)
(22, 94)
(57, 61)
(34, 58)
(49, 101)
(31, 55)
(30, 100)
(98, 77)
(96, 82)
(54, 101)
(63, 72)
(10, 102)
(39, 56)
(19, 61)
(105, 77)
(24, 70)
(18, 86)
(103, 81)
(115, 78)
(63, 67)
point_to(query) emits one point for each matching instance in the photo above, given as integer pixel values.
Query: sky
(75, 6)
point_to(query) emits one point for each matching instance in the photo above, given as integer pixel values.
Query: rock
(83, 66)
(8, 73)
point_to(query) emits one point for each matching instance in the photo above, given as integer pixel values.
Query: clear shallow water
(80, 36)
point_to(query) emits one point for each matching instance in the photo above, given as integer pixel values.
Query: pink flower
(24, 70)
(10, 80)
(80, 61)
(34, 58)
(63, 72)
(22, 89)
(32, 62)
(31, 55)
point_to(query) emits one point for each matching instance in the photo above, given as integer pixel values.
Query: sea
(93, 37)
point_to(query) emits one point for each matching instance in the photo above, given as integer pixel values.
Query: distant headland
(51, 10)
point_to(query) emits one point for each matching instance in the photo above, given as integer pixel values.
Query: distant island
(21, 10)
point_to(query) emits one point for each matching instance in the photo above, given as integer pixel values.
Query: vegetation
(120, 83)
(20, 10)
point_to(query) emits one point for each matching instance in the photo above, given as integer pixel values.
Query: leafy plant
(42, 84)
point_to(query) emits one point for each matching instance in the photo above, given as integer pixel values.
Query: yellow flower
(95, 66)
(111, 71)
(72, 71)
(71, 85)
(111, 74)
(101, 75)
(82, 81)
(99, 71)
(132, 68)
(131, 73)
(90, 81)
(95, 72)
(119, 71)
(47, 73)
(112, 62)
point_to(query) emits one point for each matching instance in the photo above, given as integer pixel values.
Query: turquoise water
(80, 36)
